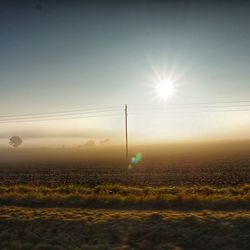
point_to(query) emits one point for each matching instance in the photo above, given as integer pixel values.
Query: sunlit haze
(67, 70)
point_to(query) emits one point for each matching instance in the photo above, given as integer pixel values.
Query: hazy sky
(63, 55)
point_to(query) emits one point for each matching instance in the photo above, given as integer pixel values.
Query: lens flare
(135, 160)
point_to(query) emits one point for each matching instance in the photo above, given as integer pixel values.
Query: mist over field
(98, 153)
(124, 125)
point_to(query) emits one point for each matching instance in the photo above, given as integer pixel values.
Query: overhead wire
(189, 112)
(64, 112)
(61, 115)
(184, 108)
(194, 104)
(56, 116)
(59, 118)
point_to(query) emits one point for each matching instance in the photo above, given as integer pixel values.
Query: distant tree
(15, 141)
(90, 143)
(105, 142)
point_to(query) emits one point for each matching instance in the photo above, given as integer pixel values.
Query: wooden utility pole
(126, 129)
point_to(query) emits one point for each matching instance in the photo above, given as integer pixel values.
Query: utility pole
(126, 129)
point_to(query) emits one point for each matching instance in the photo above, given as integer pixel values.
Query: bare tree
(15, 141)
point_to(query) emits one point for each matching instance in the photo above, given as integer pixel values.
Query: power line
(190, 112)
(60, 118)
(195, 109)
(57, 115)
(36, 119)
(113, 108)
(188, 108)
(192, 107)
(193, 103)
(64, 112)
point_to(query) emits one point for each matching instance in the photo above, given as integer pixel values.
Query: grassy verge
(74, 228)
(117, 196)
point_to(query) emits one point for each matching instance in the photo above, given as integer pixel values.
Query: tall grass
(118, 196)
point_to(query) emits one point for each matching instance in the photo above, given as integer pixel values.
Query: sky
(60, 56)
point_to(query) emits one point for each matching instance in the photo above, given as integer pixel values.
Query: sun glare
(164, 82)
(164, 88)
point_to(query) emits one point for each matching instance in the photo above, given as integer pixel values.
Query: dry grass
(117, 196)
(65, 228)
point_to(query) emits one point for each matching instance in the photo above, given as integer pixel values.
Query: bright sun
(164, 88)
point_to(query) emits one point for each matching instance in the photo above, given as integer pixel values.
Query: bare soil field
(188, 196)
(221, 164)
